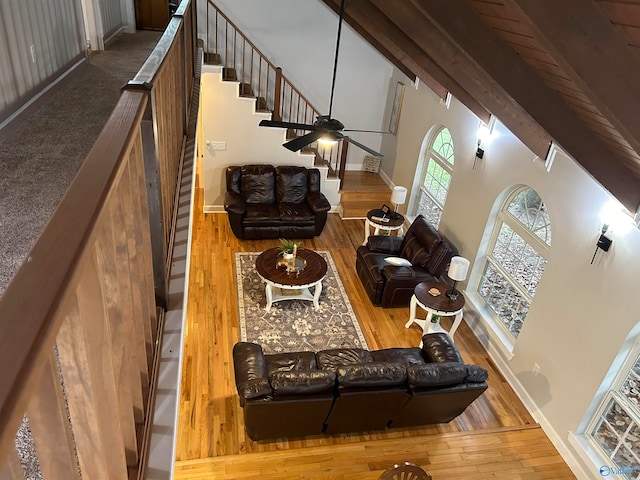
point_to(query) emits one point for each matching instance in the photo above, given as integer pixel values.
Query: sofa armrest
(384, 244)
(439, 348)
(234, 203)
(250, 369)
(318, 202)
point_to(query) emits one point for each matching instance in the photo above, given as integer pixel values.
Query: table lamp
(458, 269)
(398, 197)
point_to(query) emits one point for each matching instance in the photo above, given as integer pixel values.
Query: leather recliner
(263, 201)
(352, 389)
(387, 285)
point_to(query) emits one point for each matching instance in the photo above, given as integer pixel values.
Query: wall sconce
(604, 242)
(458, 269)
(485, 135)
(398, 197)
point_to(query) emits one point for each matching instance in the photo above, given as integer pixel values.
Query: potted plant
(435, 318)
(289, 246)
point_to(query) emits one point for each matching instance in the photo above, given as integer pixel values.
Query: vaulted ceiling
(561, 71)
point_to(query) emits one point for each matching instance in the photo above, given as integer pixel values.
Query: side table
(438, 304)
(393, 224)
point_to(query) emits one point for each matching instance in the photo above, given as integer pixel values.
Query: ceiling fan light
(328, 141)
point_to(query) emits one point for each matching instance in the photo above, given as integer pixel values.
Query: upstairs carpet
(295, 325)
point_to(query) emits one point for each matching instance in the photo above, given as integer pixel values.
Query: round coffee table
(438, 304)
(282, 285)
(393, 224)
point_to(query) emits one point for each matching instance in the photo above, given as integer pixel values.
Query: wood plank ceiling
(561, 71)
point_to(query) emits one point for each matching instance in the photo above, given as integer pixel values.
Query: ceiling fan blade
(365, 131)
(364, 147)
(295, 126)
(301, 142)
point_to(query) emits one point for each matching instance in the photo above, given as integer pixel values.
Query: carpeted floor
(295, 325)
(40, 157)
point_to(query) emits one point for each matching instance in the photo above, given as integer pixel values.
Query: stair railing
(259, 77)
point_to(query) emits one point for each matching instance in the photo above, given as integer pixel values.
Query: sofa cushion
(291, 184)
(420, 242)
(476, 374)
(436, 374)
(289, 362)
(258, 184)
(404, 356)
(337, 357)
(302, 382)
(373, 374)
(299, 213)
(259, 214)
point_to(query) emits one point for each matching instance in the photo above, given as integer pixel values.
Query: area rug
(294, 325)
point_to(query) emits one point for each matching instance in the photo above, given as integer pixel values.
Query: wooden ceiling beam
(473, 79)
(456, 22)
(373, 41)
(363, 16)
(582, 39)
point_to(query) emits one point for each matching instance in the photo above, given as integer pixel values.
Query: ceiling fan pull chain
(335, 62)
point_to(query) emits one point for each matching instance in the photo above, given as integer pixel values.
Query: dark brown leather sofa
(263, 201)
(392, 286)
(344, 390)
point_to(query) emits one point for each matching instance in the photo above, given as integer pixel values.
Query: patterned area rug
(294, 325)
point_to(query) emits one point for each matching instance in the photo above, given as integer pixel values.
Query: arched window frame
(505, 217)
(443, 159)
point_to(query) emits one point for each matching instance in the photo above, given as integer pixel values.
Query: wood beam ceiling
(513, 79)
(581, 38)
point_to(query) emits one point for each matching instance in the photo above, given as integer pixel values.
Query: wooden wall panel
(86, 358)
(50, 426)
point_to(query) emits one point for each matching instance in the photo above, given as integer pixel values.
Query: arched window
(436, 177)
(615, 429)
(516, 258)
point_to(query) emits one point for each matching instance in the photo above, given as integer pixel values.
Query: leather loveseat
(352, 389)
(263, 201)
(427, 250)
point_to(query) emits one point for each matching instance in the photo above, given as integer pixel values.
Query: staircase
(257, 78)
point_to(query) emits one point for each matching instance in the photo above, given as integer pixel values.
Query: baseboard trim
(15, 120)
(489, 341)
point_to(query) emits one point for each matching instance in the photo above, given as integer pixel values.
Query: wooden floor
(494, 438)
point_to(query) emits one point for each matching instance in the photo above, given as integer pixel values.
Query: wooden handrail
(86, 287)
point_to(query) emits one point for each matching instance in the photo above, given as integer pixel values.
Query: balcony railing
(259, 77)
(81, 320)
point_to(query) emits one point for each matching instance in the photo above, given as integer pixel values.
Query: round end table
(396, 224)
(435, 304)
(283, 285)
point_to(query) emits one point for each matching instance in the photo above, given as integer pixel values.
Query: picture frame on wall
(395, 110)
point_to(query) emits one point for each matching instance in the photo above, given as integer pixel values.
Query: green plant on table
(435, 318)
(287, 246)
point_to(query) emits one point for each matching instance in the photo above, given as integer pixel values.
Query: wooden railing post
(277, 116)
(343, 160)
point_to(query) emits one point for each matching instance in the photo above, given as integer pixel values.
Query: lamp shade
(458, 268)
(399, 195)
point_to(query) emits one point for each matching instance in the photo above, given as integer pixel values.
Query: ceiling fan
(325, 127)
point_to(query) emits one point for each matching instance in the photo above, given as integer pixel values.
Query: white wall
(581, 313)
(300, 37)
(226, 117)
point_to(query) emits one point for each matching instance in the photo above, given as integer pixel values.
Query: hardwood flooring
(495, 434)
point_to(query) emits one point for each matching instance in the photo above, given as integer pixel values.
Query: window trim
(505, 217)
(432, 154)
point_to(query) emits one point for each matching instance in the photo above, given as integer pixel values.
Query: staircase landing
(362, 191)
